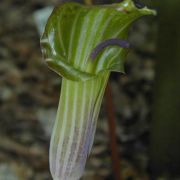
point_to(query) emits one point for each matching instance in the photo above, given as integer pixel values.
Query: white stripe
(61, 140)
(80, 44)
(86, 123)
(55, 133)
(72, 117)
(80, 135)
(98, 106)
(88, 21)
(73, 30)
(60, 37)
(98, 38)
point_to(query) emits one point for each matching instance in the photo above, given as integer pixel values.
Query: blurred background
(146, 99)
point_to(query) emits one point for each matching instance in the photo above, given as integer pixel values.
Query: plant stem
(112, 132)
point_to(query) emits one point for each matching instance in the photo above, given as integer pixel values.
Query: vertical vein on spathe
(89, 21)
(72, 37)
(62, 130)
(103, 82)
(79, 126)
(54, 154)
(71, 130)
(94, 30)
(81, 156)
(59, 32)
(101, 29)
(79, 44)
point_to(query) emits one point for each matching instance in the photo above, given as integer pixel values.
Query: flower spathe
(72, 32)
